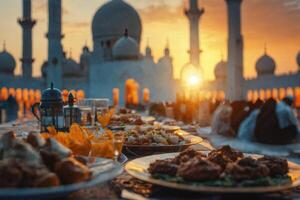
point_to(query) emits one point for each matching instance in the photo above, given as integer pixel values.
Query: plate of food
(38, 168)
(223, 170)
(149, 139)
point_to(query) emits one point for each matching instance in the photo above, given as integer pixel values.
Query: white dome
(126, 48)
(298, 59)
(71, 68)
(265, 65)
(221, 70)
(113, 18)
(7, 63)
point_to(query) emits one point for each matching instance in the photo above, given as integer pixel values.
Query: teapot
(50, 109)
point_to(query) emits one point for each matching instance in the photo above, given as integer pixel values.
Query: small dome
(221, 70)
(126, 48)
(265, 65)
(71, 68)
(298, 59)
(7, 63)
(113, 18)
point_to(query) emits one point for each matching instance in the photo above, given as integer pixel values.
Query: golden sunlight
(191, 76)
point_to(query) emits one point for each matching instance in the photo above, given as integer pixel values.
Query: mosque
(116, 58)
(229, 81)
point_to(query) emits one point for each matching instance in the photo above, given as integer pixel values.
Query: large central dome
(112, 19)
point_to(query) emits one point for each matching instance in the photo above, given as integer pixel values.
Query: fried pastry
(36, 140)
(22, 151)
(69, 170)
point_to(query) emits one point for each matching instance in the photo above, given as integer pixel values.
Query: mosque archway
(297, 97)
(64, 95)
(262, 94)
(290, 91)
(4, 94)
(12, 92)
(80, 94)
(38, 95)
(255, 95)
(275, 93)
(282, 93)
(131, 94)
(250, 95)
(268, 93)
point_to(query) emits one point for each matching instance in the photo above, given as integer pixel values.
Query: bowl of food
(149, 139)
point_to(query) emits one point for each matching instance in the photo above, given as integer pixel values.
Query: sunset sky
(274, 22)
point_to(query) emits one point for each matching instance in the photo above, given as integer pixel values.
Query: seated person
(228, 117)
(276, 123)
(247, 127)
(220, 123)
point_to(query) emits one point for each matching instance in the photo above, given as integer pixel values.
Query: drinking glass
(102, 146)
(101, 108)
(87, 111)
(118, 141)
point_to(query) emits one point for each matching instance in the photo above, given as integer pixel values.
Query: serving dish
(138, 168)
(141, 150)
(102, 169)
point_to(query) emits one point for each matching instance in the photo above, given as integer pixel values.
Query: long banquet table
(127, 187)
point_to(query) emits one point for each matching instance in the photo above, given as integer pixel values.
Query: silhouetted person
(12, 109)
(240, 111)
(247, 127)
(276, 123)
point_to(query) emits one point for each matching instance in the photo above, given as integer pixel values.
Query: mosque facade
(229, 81)
(116, 58)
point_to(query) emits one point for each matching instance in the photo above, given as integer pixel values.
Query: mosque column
(194, 13)
(27, 23)
(55, 49)
(235, 52)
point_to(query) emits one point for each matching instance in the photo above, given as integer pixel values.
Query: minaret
(148, 51)
(194, 13)
(167, 49)
(235, 78)
(55, 50)
(27, 24)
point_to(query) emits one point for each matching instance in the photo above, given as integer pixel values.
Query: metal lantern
(50, 109)
(71, 112)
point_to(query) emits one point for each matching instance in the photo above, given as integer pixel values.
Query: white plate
(138, 168)
(103, 171)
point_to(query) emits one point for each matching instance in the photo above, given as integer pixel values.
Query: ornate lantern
(71, 112)
(50, 109)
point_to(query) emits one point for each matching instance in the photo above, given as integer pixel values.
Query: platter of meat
(38, 168)
(222, 170)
